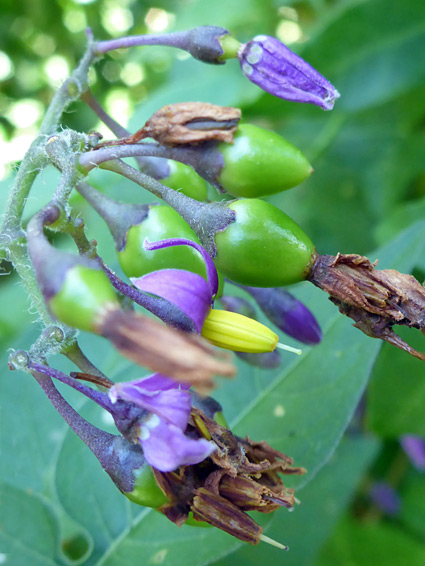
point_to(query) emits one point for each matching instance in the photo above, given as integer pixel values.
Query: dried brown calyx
(375, 299)
(187, 123)
(239, 476)
(147, 342)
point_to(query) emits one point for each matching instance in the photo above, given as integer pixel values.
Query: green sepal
(261, 162)
(263, 247)
(85, 294)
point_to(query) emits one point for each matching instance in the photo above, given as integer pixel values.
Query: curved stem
(98, 397)
(97, 440)
(176, 39)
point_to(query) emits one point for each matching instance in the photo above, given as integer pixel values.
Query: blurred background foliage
(367, 189)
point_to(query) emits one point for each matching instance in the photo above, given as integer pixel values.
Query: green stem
(36, 159)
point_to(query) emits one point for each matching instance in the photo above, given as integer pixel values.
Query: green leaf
(396, 395)
(29, 533)
(359, 543)
(372, 51)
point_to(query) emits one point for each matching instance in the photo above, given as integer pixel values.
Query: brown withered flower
(186, 357)
(375, 299)
(187, 123)
(239, 476)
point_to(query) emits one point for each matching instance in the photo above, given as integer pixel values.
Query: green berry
(146, 491)
(85, 295)
(162, 222)
(263, 247)
(260, 163)
(183, 178)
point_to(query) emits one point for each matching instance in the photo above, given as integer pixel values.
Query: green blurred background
(368, 186)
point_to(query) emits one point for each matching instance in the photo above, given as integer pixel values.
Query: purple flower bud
(386, 498)
(287, 313)
(272, 66)
(414, 446)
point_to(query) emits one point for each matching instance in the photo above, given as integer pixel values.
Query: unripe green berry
(183, 178)
(146, 491)
(85, 295)
(263, 247)
(261, 162)
(162, 222)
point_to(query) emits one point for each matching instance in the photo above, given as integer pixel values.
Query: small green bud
(261, 162)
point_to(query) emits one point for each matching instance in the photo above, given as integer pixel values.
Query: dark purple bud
(238, 305)
(287, 313)
(386, 498)
(272, 66)
(414, 446)
(264, 360)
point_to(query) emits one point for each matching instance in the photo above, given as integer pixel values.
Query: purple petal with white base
(272, 66)
(166, 447)
(188, 291)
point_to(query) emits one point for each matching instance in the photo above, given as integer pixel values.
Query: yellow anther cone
(238, 333)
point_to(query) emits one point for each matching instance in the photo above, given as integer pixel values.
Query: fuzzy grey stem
(205, 219)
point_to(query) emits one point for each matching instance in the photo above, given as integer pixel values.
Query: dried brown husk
(186, 357)
(241, 475)
(375, 299)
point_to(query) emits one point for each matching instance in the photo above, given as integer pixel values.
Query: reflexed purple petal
(209, 264)
(166, 447)
(272, 66)
(414, 446)
(287, 313)
(386, 498)
(189, 291)
(172, 405)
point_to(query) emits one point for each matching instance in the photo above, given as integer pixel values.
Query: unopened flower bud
(287, 313)
(272, 66)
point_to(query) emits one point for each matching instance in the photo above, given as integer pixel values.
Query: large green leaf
(359, 543)
(28, 529)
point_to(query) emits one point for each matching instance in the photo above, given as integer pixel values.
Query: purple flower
(272, 66)
(188, 291)
(161, 431)
(414, 446)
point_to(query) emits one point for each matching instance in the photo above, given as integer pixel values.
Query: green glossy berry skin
(146, 491)
(162, 222)
(263, 247)
(261, 163)
(183, 178)
(86, 294)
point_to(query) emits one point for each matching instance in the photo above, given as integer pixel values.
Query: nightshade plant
(174, 451)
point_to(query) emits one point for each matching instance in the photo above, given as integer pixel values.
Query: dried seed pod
(192, 122)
